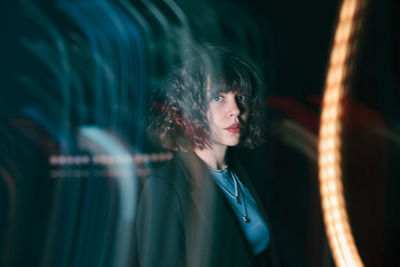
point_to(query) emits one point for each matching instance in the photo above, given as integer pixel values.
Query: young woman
(200, 209)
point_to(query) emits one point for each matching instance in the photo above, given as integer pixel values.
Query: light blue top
(256, 230)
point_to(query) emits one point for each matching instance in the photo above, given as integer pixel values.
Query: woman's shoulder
(173, 174)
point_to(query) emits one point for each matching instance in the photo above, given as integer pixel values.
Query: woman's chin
(233, 143)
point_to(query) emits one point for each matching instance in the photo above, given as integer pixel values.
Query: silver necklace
(244, 216)
(236, 197)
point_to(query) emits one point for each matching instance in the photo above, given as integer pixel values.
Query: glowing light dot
(330, 158)
(331, 231)
(343, 34)
(331, 172)
(335, 76)
(339, 54)
(334, 201)
(330, 144)
(348, 10)
(53, 160)
(332, 186)
(336, 215)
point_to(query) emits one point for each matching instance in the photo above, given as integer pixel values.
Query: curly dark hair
(179, 108)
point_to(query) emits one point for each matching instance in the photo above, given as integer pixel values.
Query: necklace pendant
(246, 220)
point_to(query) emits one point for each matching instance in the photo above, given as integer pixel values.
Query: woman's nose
(233, 108)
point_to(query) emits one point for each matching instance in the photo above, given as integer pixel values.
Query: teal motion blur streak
(118, 81)
(103, 143)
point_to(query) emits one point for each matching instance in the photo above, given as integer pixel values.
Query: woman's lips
(234, 128)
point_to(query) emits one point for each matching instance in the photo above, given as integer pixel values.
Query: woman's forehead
(225, 88)
(235, 92)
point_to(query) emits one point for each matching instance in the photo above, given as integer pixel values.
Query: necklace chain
(236, 197)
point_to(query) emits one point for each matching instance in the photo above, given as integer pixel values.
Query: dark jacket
(183, 219)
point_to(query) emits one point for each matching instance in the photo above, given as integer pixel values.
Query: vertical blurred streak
(158, 15)
(146, 31)
(178, 12)
(122, 48)
(60, 235)
(178, 34)
(117, 47)
(184, 33)
(10, 185)
(148, 64)
(102, 143)
(337, 84)
(60, 68)
(163, 22)
(133, 66)
(84, 246)
(119, 65)
(101, 70)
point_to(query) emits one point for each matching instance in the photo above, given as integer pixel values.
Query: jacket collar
(197, 173)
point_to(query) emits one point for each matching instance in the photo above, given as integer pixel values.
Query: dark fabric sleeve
(160, 229)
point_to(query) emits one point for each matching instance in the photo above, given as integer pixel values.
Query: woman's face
(227, 116)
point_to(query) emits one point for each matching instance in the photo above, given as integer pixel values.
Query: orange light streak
(336, 220)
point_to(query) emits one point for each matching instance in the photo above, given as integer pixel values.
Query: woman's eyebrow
(241, 93)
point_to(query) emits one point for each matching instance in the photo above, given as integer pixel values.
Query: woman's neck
(214, 157)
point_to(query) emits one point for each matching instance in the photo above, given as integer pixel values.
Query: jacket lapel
(211, 209)
(242, 174)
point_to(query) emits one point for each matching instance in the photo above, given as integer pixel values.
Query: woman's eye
(217, 99)
(242, 98)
